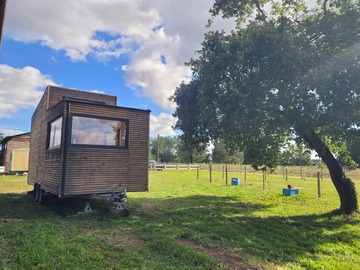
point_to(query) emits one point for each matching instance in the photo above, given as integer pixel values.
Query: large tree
(286, 71)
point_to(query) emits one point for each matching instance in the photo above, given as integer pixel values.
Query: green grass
(183, 223)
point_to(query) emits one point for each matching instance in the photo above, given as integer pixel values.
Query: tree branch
(257, 4)
(324, 6)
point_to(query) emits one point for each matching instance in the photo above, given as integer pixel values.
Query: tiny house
(82, 143)
(14, 155)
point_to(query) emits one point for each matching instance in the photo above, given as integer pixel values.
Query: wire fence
(314, 180)
(301, 172)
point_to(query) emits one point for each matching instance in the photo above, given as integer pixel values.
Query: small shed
(82, 143)
(14, 154)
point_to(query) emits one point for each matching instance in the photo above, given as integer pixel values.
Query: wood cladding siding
(70, 169)
(99, 170)
(57, 94)
(44, 165)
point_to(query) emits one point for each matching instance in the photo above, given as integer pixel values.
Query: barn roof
(8, 138)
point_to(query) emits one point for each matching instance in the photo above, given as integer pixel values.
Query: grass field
(183, 223)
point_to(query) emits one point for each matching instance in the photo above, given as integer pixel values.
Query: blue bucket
(235, 181)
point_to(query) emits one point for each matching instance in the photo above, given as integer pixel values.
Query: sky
(133, 49)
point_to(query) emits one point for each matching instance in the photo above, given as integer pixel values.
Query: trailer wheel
(37, 192)
(33, 192)
(43, 199)
(126, 212)
(39, 195)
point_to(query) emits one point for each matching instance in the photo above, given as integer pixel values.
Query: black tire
(43, 198)
(126, 212)
(39, 195)
(37, 191)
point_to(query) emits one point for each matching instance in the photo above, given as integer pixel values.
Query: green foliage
(174, 149)
(1, 136)
(187, 154)
(287, 74)
(222, 155)
(296, 155)
(166, 146)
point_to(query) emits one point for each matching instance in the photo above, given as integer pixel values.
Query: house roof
(2, 17)
(8, 138)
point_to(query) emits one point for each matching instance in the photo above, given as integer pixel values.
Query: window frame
(126, 146)
(49, 136)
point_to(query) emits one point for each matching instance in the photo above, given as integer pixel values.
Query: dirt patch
(233, 260)
(4, 221)
(128, 240)
(148, 207)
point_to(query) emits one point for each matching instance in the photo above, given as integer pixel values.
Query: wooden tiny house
(83, 144)
(14, 155)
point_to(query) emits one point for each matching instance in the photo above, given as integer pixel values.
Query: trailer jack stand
(87, 208)
(118, 206)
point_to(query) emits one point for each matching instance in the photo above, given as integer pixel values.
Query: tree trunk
(344, 186)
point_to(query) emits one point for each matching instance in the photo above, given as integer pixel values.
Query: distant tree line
(172, 149)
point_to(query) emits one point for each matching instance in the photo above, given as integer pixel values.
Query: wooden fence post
(226, 172)
(318, 184)
(286, 174)
(245, 174)
(210, 173)
(197, 168)
(223, 169)
(264, 178)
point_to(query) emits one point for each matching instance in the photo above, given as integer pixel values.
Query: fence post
(223, 169)
(264, 176)
(245, 174)
(197, 168)
(286, 174)
(301, 172)
(318, 184)
(210, 173)
(226, 172)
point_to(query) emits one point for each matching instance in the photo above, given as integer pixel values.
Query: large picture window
(98, 131)
(55, 133)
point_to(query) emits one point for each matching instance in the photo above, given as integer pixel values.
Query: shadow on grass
(225, 222)
(23, 206)
(209, 220)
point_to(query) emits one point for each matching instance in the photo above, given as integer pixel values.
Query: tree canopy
(284, 74)
(221, 155)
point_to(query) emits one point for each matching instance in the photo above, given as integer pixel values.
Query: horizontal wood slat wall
(78, 170)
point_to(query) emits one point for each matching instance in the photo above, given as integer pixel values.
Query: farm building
(82, 143)
(14, 155)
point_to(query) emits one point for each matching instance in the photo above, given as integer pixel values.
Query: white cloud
(20, 88)
(145, 30)
(73, 25)
(162, 125)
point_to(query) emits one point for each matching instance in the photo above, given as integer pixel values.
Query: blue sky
(133, 49)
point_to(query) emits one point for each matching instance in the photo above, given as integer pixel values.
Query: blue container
(290, 191)
(235, 181)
